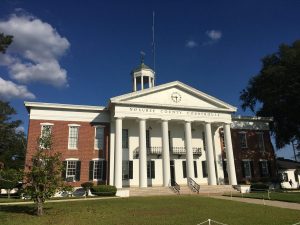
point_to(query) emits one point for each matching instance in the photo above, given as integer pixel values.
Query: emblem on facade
(176, 97)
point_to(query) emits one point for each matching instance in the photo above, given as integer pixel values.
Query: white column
(134, 84)
(142, 83)
(189, 150)
(165, 153)
(229, 155)
(118, 153)
(150, 82)
(210, 156)
(143, 154)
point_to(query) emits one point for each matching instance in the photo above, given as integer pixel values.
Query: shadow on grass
(23, 209)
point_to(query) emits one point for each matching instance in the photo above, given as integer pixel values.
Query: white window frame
(244, 133)
(70, 127)
(68, 161)
(249, 166)
(95, 138)
(261, 138)
(98, 160)
(125, 168)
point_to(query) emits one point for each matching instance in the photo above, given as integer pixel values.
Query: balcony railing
(174, 150)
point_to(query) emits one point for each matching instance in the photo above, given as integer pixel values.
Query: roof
(287, 164)
(30, 105)
(252, 118)
(140, 67)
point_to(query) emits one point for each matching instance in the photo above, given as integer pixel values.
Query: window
(72, 172)
(243, 139)
(264, 169)
(97, 170)
(151, 169)
(261, 144)
(195, 169)
(127, 170)
(148, 143)
(99, 138)
(204, 169)
(247, 169)
(285, 177)
(125, 138)
(204, 141)
(184, 169)
(45, 140)
(73, 137)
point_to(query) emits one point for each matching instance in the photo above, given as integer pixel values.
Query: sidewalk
(287, 205)
(51, 201)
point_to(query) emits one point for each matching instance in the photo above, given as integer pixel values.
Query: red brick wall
(85, 151)
(252, 152)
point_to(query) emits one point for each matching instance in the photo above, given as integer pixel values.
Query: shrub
(259, 187)
(104, 190)
(87, 186)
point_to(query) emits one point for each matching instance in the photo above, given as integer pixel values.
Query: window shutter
(260, 168)
(130, 169)
(204, 171)
(78, 167)
(243, 168)
(91, 170)
(104, 169)
(152, 169)
(184, 169)
(63, 172)
(195, 169)
(269, 168)
(252, 168)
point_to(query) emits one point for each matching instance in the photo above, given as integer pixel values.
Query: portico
(169, 124)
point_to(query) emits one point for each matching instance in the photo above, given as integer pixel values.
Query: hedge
(259, 187)
(104, 190)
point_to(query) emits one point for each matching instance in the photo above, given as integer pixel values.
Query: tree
(275, 92)
(44, 179)
(9, 179)
(12, 142)
(5, 41)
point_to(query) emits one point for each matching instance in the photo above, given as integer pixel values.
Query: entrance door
(172, 171)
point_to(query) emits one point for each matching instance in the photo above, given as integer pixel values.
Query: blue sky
(82, 52)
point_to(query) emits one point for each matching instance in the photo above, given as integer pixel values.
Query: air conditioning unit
(70, 178)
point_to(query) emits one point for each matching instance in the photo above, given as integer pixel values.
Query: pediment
(174, 94)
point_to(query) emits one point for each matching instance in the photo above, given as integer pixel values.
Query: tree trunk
(39, 211)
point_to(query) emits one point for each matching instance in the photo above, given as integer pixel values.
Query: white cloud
(20, 129)
(35, 51)
(9, 90)
(191, 44)
(214, 35)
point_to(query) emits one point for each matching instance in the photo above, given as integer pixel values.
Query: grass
(277, 196)
(150, 210)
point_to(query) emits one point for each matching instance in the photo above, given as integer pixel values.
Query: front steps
(184, 190)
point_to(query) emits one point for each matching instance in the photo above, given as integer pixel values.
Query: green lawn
(278, 196)
(150, 210)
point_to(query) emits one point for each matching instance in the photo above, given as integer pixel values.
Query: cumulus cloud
(191, 44)
(35, 51)
(9, 90)
(214, 35)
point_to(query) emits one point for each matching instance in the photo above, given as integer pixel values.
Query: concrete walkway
(287, 205)
(62, 200)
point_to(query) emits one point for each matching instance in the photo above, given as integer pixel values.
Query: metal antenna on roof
(153, 41)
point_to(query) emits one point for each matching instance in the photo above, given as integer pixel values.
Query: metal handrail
(174, 186)
(193, 185)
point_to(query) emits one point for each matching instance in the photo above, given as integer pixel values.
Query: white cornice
(30, 105)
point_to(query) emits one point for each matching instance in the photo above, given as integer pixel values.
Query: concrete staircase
(184, 190)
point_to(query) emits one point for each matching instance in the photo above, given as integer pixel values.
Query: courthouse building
(155, 136)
